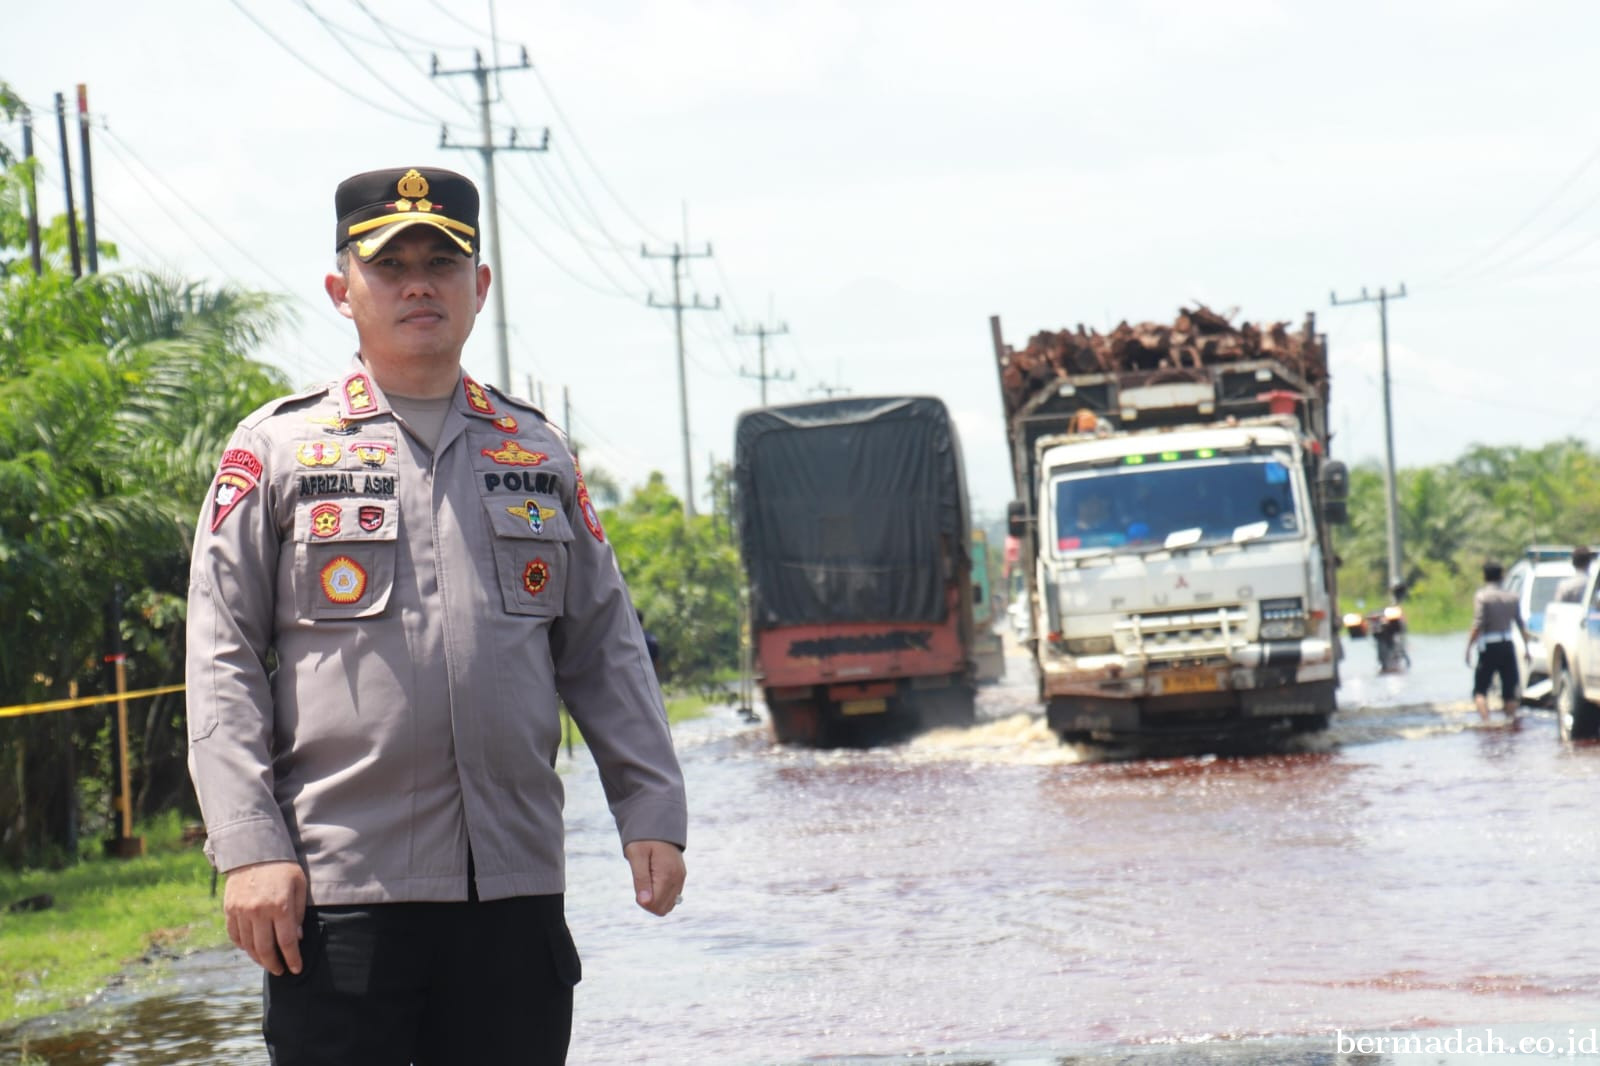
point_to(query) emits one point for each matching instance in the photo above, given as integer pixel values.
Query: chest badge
(531, 513)
(373, 453)
(514, 454)
(535, 576)
(325, 520)
(370, 518)
(343, 580)
(317, 453)
(505, 424)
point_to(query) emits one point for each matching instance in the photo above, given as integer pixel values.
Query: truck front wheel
(1576, 717)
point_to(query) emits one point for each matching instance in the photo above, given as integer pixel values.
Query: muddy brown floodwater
(988, 896)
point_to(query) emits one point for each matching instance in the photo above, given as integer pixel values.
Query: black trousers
(1497, 658)
(430, 984)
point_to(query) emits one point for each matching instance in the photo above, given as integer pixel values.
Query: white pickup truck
(1572, 642)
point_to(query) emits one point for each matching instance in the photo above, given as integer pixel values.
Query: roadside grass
(104, 916)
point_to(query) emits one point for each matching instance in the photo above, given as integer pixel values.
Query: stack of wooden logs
(1199, 337)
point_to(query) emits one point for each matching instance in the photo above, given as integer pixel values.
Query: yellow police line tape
(86, 701)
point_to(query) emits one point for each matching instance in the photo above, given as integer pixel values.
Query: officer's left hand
(658, 874)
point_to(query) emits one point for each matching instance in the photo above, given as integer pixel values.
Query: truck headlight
(1283, 619)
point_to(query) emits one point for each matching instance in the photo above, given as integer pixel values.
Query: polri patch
(239, 472)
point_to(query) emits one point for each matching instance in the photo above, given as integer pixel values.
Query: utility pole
(88, 179)
(678, 255)
(761, 333)
(1396, 575)
(34, 255)
(66, 180)
(487, 149)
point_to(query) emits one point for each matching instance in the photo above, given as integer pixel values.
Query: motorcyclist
(1388, 628)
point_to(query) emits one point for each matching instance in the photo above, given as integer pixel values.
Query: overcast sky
(882, 177)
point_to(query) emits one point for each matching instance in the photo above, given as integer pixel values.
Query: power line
(405, 116)
(678, 255)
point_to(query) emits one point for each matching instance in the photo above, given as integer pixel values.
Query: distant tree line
(1491, 503)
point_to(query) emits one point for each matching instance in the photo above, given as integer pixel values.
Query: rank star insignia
(325, 520)
(477, 399)
(317, 453)
(535, 576)
(358, 398)
(531, 513)
(514, 454)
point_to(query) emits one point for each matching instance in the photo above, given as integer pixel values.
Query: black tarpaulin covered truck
(854, 533)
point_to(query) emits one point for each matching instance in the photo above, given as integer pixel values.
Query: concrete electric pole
(761, 333)
(487, 148)
(678, 255)
(1396, 574)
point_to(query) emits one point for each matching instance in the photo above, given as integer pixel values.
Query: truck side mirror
(1334, 482)
(1017, 518)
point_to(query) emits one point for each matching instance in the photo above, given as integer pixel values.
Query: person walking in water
(1496, 615)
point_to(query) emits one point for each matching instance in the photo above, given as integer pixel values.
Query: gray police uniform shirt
(377, 638)
(1496, 613)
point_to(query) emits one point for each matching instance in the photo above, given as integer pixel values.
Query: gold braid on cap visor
(363, 248)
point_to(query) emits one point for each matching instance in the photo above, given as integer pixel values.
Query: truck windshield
(1138, 506)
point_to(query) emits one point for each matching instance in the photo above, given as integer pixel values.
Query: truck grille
(1185, 634)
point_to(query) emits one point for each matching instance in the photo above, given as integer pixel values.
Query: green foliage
(104, 915)
(1491, 503)
(117, 393)
(684, 576)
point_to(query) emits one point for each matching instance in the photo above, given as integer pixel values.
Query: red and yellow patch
(477, 399)
(358, 398)
(343, 580)
(535, 576)
(514, 454)
(591, 517)
(505, 423)
(371, 518)
(325, 520)
(372, 453)
(239, 472)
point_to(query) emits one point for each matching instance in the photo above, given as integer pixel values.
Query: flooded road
(991, 896)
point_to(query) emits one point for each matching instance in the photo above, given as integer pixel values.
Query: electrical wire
(410, 117)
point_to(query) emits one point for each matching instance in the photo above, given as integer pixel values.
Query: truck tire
(1576, 717)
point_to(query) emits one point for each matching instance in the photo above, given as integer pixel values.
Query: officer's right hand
(264, 904)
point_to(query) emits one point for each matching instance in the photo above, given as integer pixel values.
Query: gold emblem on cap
(413, 186)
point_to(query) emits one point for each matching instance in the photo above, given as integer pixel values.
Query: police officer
(396, 577)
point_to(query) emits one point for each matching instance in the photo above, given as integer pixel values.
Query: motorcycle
(1388, 631)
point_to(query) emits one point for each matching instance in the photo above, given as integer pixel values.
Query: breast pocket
(345, 556)
(531, 534)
